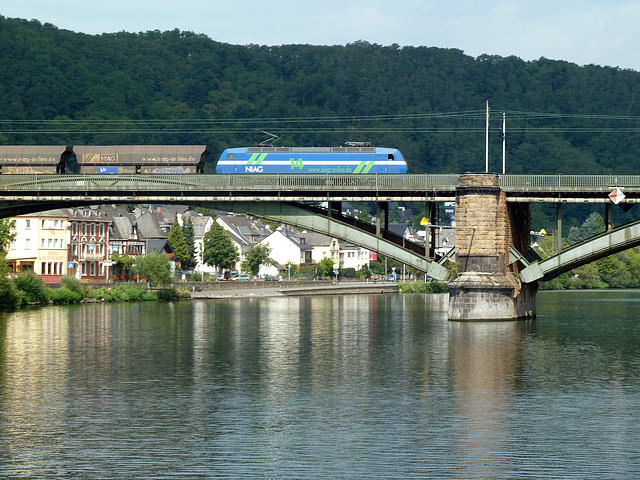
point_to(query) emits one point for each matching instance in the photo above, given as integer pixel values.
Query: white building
(40, 245)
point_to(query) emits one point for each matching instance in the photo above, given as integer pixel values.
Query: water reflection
(349, 387)
(487, 369)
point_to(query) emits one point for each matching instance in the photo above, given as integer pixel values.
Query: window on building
(27, 223)
(93, 269)
(74, 228)
(27, 243)
(83, 268)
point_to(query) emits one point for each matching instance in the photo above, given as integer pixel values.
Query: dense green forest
(62, 87)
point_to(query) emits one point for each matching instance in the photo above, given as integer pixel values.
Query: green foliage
(422, 287)
(219, 249)
(256, 256)
(126, 261)
(592, 226)
(64, 295)
(188, 233)
(32, 288)
(75, 285)
(364, 272)
(178, 244)
(7, 234)
(200, 277)
(621, 270)
(123, 293)
(155, 268)
(348, 273)
(325, 267)
(10, 296)
(195, 77)
(173, 294)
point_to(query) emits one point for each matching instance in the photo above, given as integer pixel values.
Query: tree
(364, 272)
(7, 234)
(255, 257)
(123, 264)
(219, 249)
(326, 267)
(10, 296)
(155, 267)
(179, 246)
(188, 234)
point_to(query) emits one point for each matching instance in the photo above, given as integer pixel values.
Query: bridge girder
(600, 246)
(299, 217)
(283, 212)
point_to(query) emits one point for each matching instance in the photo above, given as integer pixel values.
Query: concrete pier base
(485, 297)
(486, 227)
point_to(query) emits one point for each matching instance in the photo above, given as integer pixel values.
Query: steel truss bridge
(290, 199)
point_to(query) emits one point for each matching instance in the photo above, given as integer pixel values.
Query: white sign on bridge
(616, 196)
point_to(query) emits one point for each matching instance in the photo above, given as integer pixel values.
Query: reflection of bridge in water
(492, 215)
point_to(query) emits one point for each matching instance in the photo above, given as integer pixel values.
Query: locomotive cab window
(230, 157)
(390, 157)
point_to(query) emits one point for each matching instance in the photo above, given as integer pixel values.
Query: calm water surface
(325, 387)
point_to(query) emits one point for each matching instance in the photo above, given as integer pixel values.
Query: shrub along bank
(422, 287)
(27, 289)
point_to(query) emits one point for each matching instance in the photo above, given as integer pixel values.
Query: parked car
(243, 277)
(221, 277)
(392, 278)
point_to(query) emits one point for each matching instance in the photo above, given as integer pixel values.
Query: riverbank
(351, 288)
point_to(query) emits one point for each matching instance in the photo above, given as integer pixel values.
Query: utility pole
(486, 161)
(504, 142)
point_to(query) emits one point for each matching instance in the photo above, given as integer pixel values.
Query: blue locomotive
(334, 160)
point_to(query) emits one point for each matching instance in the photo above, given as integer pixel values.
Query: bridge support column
(487, 287)
(382, 217)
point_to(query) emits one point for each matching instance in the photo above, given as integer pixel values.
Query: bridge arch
(290, 213)
(590, 250)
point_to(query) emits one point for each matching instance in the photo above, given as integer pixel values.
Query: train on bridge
(191, 159)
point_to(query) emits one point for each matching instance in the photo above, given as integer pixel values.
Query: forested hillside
(65, 87)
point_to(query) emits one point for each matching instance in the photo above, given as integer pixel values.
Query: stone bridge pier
(487, 285)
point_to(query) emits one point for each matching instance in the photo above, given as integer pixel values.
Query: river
(371, 386)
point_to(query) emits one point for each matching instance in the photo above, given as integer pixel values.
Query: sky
(585, 32)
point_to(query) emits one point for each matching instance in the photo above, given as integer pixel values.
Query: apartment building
(40, 245)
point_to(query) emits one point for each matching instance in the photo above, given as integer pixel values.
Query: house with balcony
(88, 245)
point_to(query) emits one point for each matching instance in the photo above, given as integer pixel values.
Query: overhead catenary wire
(433, 123)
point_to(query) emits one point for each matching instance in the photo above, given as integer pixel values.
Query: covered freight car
(34, 159)
(145, 159)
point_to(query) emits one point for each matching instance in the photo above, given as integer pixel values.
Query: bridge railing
(564, 183)
(408, 182)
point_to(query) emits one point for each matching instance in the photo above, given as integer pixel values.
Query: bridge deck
(517, 187)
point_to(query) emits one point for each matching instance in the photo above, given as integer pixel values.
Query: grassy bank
(422, 287)
(27, 289)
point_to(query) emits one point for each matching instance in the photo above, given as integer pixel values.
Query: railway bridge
(497, 273)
